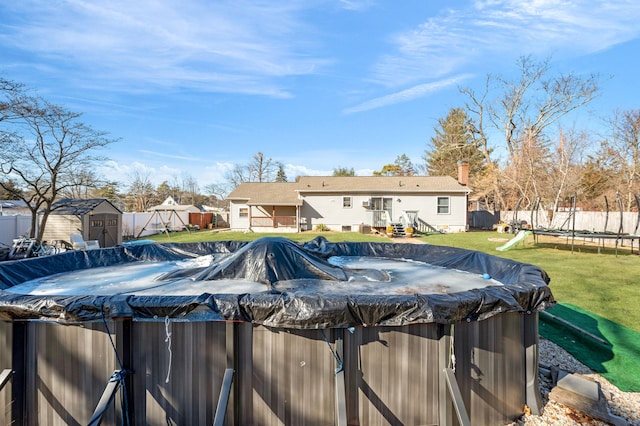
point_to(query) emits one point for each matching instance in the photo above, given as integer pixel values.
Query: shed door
(104, 228)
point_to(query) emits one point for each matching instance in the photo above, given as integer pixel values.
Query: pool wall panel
(6, 361)
(288, 377)
(491, 368)
(194, 366)
(67, 370)
(393, 375)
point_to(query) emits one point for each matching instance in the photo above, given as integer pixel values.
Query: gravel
(622, 404)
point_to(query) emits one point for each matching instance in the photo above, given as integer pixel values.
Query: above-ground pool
(314, 333)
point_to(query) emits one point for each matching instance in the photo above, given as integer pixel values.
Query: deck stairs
(398, 230)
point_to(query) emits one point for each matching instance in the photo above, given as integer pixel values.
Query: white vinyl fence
(133, 223)
(584, 221)
(12, 227)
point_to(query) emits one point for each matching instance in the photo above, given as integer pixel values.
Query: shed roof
(78, 206)
(267, 193)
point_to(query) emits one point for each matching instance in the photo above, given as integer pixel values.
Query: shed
(95, 218)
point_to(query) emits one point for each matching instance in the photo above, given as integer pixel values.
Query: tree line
(510, 132)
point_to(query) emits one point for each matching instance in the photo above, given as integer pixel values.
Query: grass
(199, 236)
(604, 283)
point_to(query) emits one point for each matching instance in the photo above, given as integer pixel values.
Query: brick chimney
(463, 173)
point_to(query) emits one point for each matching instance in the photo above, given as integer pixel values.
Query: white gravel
(622, 404)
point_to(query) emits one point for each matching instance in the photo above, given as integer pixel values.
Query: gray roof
(13, 204)
(78, 206)
(287, 193)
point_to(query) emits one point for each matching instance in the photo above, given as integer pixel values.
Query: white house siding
(328, 210)
(454, 221)
(236, 222)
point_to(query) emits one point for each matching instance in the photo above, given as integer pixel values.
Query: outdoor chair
(79, 243)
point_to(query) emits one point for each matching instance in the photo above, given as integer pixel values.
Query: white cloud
(505, 29)
(228, 46)
(355, 5)
(412, 93)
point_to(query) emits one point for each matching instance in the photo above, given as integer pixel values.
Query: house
(171, 204)
(14, 208)
(349, 203)
(95, 219)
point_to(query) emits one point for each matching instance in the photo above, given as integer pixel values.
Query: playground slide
(521, 235)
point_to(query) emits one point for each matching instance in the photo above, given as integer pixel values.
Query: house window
(244, 212)
(443, 205)
(346, 202)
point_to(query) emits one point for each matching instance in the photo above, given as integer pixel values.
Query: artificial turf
(617, 359)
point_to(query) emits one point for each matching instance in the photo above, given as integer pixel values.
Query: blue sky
(194, 86)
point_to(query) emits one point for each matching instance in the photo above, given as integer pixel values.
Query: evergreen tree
(281, 176)
(454, 141)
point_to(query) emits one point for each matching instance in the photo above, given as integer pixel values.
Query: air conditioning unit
(365, 204)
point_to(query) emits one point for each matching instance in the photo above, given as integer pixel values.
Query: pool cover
(270, 261)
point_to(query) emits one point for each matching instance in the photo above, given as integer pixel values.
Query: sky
(194, 87)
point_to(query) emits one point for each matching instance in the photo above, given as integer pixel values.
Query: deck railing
(273, 221)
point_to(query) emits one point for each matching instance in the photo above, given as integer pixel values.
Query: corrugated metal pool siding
(6, 342)
(194, 367)
(393, 374)
(67, 370)
(490, 368)
(286, 377)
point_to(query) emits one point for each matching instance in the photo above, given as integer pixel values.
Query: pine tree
(454, 141)
(281, 176)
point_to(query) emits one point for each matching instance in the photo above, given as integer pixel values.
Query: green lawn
(607, 284)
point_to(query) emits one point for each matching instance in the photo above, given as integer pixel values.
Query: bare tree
(141, 193)
(488, 186)
(262, 169)
(83, 184)
(259, 169)
(239, 174)
(625, 140)
(190, 190)
(217, 194)
(524, 111)
(44, 147)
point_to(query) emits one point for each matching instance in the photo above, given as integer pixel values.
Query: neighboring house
(431, 203)
(171, 204)
(95, 219)
(14, 208)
